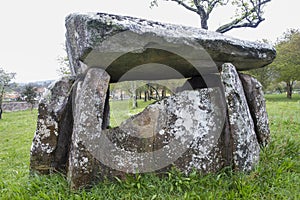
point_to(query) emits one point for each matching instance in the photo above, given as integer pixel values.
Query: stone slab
(53, 106)
(257, 105)
(89, 97)
(245, 145)
(182, 130)
(119, 44)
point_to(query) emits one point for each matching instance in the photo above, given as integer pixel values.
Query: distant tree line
(28, 92)
(144, 90)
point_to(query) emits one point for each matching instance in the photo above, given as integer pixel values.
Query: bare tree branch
(251, 21)
(180, 2)
(249, 12)
(213, 4)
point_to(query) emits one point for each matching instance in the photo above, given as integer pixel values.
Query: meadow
(277, 176)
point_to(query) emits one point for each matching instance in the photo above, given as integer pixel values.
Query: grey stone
(182, 130)
(257, 105)
(89, 99)
(118, 44)
(245, 145)
(52, 108)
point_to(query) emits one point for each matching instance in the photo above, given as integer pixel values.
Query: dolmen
(216, 119)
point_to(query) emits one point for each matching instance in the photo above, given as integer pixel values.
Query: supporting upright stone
(53, 108)
(257, 105)
(88, 112)
(245, 145)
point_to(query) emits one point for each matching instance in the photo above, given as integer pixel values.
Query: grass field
(276, 177)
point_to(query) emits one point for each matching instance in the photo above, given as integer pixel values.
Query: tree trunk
(150, 94)
(146, 96)
(1, 99)
(134, 101)
(289, 89)
(202, 14)
(134, 96)
(121, 95)
(204, 23)
(163, 93)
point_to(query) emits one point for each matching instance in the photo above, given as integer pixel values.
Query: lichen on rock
(245, 145)
(52, 108)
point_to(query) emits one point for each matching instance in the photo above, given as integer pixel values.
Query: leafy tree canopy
(30, 94)
(287, 63)
(5, 78)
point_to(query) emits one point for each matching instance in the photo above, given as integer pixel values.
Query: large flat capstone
(119, 44)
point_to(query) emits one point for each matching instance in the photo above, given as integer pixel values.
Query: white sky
(32, 32)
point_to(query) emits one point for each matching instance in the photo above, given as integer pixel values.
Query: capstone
(119, 44)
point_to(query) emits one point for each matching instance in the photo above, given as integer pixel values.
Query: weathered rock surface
(182, 130)
(257, 105)
(245, 145)
(54, 112)
(118, 44)
(88, 112)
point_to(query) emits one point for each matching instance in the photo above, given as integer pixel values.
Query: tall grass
(276, 177)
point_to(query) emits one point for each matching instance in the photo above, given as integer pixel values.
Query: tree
(5, 79)
(249, 13)
(30, 95)
(287, 63)
(129, 87)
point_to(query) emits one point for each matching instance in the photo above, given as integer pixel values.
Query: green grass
(121, 110)
(276, 177)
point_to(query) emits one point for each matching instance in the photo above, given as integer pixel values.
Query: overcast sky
(32, 32)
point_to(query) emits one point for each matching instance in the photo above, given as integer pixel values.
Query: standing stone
(257, 105)
(88, 112)
(245, 146)
(52, 108)
(182, 130)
